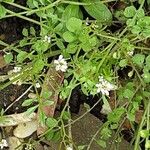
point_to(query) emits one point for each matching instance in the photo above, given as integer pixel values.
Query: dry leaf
(15, 119)
(24, 130)
(2, 61)
(52, 83)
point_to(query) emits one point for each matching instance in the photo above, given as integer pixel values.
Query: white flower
(47, 39)
(104, 86)
(37, 85)
(3, 143)
(130, 53)
(16, 69)
(69, 148)
(60, 64)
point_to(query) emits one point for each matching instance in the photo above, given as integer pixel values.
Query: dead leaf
(138, 116)
(15, 119)
(2, 61)
(52, 83)
(24, 130)
(14, 142)
(127, 124)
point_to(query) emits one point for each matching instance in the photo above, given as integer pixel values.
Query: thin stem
(75, 3)
(94, 136)
(43, 8)
(148, 122)
(16, 5)
(18, 98)
(108, 37)
(124, 118)
(26, 18)
(142, 48)
(140, 128)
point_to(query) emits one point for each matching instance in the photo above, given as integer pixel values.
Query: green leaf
(49, 135)
(123, 63)
(115, 115)
(98, 10)
(86, 46)
(131, 116)
(57, 136)
(46, 94)
(74, 24)
(60, 44)
(144, 133)
(114, 126)
(146, 33)
(148, 2)
(147, 144)
(69, 37)
(31, 110)
(27, 102)
(148, 60)
(41, 46)
(130, 11)
(8, 58)
(72, 48)
(21, 56)
(23, 42)
(48, 103)
(2, 11)
(138, 59)
(38, 66)
(70, 11)
(66, 115)
(59, 27)
(128, 93)
(25, 32)
(93, 41)
(43, 2)
(102, 143)
(42, 118)
(32, 31)
(82, 147)
(35, 3)
(106, 132)
(130, 22)
(146, 77)
(136, 29)
(51, 122)
(140, 13)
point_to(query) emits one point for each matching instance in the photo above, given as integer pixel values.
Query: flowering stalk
(104, 86)
(60, 64)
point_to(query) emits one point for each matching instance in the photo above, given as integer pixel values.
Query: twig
(93, 138)
(18, 98)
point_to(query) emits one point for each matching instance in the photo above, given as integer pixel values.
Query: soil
(9, 95)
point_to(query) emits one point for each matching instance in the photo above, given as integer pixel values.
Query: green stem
(16, 5)
(148, 122)
(142, 48)
(96, 133)
(3, 43)
(140, 128)
(108, 37)
(43, 8)
(107, 53)
(26, 18)
(75, 3)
